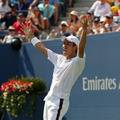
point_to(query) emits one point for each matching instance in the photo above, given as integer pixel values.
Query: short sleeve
(52, 56)
(79, 65)
(94, 5)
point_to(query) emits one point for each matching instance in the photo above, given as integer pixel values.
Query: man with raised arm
(67, 68)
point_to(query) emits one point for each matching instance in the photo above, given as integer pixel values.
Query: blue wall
(95, 95)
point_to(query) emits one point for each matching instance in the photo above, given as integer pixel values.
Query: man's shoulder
(107, 5)
(41, 5)
(50, 5)
(115, 24)
(96, 3)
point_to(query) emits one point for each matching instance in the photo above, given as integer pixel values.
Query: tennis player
(67, 68)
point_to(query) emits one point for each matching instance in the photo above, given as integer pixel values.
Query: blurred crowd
(104, 16)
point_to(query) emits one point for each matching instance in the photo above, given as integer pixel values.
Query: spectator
(110, 2)
(46, 8)
(110, 24)
(52, 35)
(103, 29)
(114, 10)
(63, 27)
(8, 38)
(96, 26)
(22, 6)
(57, 34)
(47, 11)
(102, 19)
(9, 17)
(119, 9)
(63, 7)
(90, 14)
(36, 20)
(73, 23)
(55, 5)
(101, 8)
(118, 29)
(20, 20)
(18, 23)
(4, 7)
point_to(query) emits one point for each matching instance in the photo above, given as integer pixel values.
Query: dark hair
(75, 45)
(75, 21)
(39, 16)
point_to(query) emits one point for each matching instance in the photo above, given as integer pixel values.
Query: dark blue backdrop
(95, 95)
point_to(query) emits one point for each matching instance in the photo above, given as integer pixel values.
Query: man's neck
(69, 57)
(102, 3)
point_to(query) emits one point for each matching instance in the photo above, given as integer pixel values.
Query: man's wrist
(31, 6)
(31, 37)
(84, 31)
(34, 41)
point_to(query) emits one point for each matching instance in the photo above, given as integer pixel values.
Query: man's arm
(47, 8)
(82, 41)
(33, 3)
(94, 5)
(51, 10)
(27, 29)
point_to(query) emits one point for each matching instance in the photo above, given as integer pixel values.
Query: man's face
(21, 19)
(63, 27)
(109, 20)
(97, 24)
(103, 2)
(90, 16)
(68, 48)
(13, 8)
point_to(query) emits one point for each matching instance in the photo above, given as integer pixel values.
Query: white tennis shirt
(65, 74)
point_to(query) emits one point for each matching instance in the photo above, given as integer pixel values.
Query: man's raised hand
(27, 29)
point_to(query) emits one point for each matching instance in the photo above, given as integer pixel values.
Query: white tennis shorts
(55, 109)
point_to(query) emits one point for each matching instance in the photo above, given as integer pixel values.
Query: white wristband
(34, 41)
